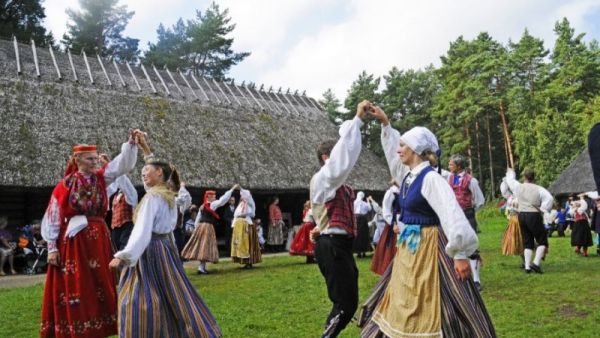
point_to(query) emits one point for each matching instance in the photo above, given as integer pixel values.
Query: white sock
(528, 254)
(475, 269)
(539, 253)
(202, 267)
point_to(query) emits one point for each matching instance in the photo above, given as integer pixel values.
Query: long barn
(216, 133)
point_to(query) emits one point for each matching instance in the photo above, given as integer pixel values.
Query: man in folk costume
(470, 198)
(202, 246)
(534, 200)
(123, 203)
(332, 207)
(79, 293)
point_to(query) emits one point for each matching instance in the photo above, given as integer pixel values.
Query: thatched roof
(576, 178)
(261, 140)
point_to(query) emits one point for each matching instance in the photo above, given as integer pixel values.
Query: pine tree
(331, 104)
(98, 28)
(23, 19)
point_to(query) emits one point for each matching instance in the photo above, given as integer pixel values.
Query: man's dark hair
(325, 149)
(529, 175)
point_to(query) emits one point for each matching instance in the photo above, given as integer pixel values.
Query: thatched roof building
(216, 133)
(576, 178)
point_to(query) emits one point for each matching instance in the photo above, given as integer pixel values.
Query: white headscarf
(420, 139)
(360, 207)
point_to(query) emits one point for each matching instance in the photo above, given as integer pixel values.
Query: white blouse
(388, 204)
(462, 239)
(124, 184)
(154, 216)
(245, 209)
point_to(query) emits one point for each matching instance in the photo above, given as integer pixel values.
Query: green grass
(283, 297)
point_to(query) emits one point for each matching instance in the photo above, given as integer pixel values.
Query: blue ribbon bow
(412, 236)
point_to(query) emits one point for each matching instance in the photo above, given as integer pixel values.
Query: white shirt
(120, 165)
(154, 216)
(124, 184)
(462, 239)
(183, 200)
(342, 159)
(250, 207)
(545, 196)
(388, 201)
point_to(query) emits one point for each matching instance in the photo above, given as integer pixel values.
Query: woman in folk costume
(362, 241)
(202, 246)
(275, 236)
(302, 245)
(512, 240)
(427, 291)
(156, 299)
(79, 295)
(245, 248)
(581, 237)
(386, 245)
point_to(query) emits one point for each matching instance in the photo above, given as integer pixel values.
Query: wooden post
(87, 65)
(72, 65)
(35, 59)
(17, 55)
(133, 76)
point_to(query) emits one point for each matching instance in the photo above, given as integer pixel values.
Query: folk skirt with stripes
(202, 246)
(156, 299)
(421, 296)
(512, 241)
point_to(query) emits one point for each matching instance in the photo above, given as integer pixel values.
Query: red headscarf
(78, 149)
(206, 204)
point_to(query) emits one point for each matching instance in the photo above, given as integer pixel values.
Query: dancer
(581, 236)
(156, 299)
(245, 248)
(426, 292)
(302, 245)
(512, 240)
(362, 242)
(202, 246)
(533, 202)
(275, 235)
(125, 200)
(333, 210)
(386, 246)
(79, 295)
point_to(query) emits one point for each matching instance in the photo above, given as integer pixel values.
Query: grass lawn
(283, 297)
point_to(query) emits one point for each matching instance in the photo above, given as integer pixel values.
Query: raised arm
(122, 164)
(511, 181)
(222, 200)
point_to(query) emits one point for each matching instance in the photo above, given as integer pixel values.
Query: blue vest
(412, 206)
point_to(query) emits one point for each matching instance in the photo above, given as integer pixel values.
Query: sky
(314, 45)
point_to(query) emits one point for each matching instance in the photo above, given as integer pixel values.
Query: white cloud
(320, 44)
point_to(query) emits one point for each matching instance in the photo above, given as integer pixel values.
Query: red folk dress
(302, 245)
(80, 298)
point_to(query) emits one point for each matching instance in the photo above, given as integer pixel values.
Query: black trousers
(470, 214)
(120, 235)
(335, 260)
(532, 228)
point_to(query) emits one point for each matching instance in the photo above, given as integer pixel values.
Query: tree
(331, 104)
(99, 28)
(201, 45)
(23, 19)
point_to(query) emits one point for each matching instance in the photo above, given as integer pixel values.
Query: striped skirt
(512, 241)
(202, 246)
(419, 295)
(156, 299)
(245, 248)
